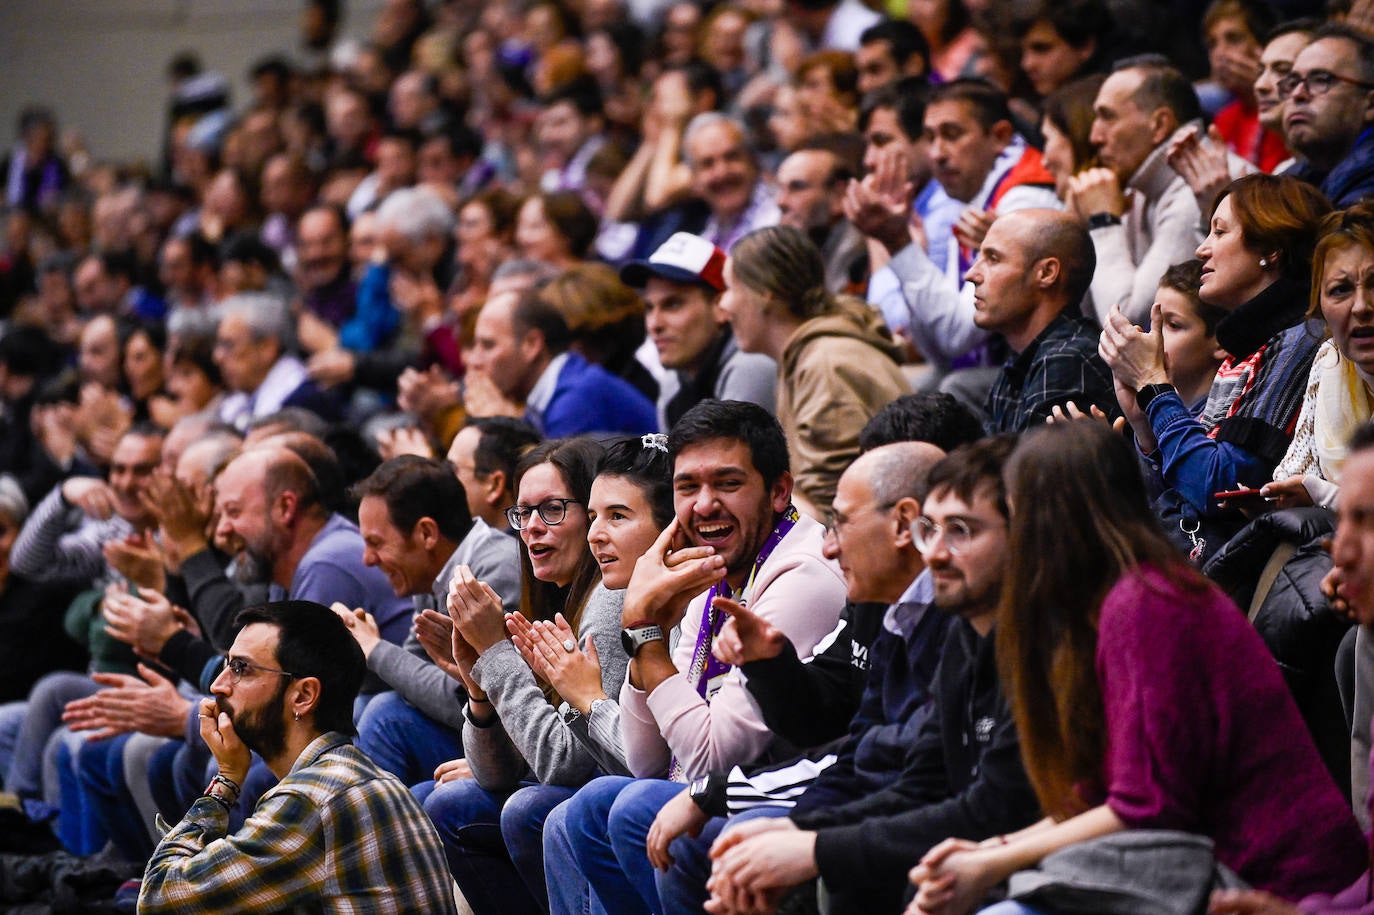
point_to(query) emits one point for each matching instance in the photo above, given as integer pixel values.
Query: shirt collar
(542, 392)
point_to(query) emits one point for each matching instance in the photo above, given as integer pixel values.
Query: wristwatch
(708, 793)
(1102, 220)
(1149, 392)
(638, 635)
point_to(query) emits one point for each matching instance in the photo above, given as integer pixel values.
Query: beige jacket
(836, 372)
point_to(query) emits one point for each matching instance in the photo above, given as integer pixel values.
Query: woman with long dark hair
(1143, 697)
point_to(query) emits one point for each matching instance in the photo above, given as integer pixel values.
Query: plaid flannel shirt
(337, 834)
(1059, 365)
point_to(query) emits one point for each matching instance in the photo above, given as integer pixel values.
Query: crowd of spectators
(664, 456)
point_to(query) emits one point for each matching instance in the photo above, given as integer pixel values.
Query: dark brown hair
(1070, 110)
(1077, 486)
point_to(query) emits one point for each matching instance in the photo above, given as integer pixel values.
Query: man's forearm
(651, 666)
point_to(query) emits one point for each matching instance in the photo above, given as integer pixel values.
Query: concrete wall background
(99, 63)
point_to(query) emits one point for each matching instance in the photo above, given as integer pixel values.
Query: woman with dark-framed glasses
(515, 736)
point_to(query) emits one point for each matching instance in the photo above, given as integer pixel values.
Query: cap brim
(638, 273)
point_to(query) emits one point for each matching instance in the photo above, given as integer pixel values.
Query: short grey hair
(417, 213)
(13, 504)
(709, 119)
(899, 471)
(266, 315)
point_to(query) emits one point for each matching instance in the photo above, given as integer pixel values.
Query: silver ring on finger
(569, 646)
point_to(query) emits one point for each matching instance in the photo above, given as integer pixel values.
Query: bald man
(269, 501)
(1029, 278)
(869, 680)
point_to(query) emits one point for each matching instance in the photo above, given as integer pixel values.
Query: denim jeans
(404, 740)
(105, 803)
(682, 887)
(599, 840)
(33, 771)
(581, 867)
(522, 827)
(468, 820)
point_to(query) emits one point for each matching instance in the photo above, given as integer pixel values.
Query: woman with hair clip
(837, 363)
(1144, 700)
(1256, 264)
(631, 503)
(515, 736)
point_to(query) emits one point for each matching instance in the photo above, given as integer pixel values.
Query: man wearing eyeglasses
(1329, 111)
(856, 703)
(337, 833)
(960, 773)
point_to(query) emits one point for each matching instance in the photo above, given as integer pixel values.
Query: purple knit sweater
(1203, 736)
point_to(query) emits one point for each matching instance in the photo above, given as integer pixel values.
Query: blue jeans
(628, 827)
(522, 828)
(105, 799)
(583, 873)
(601, 838)
(404, 740)
(33, 771)
(682, 887)
(468, 820)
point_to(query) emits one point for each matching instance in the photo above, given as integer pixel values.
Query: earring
(1264, 262)
(298, 716)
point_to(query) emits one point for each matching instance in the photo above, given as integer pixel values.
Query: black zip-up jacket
(961, 778)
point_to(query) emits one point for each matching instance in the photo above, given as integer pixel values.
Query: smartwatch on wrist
(1149, 392)
(637, 635)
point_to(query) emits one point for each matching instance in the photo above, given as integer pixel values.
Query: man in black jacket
(962, 773)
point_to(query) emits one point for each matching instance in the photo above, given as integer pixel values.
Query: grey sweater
(529, 734)
(494, 558)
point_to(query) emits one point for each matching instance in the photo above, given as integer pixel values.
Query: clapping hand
(1203, 166)
(552, 652)
(476, 610)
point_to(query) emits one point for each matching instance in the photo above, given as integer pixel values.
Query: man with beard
(736, 539)
(337, 832)
(961, 773)
(269, 500)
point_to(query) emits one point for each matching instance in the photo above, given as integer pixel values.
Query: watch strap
(1146, 394)
(1103, 220)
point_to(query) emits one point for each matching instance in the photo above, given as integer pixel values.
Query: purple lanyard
(705, 666)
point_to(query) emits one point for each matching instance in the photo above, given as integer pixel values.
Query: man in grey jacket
(416, 528)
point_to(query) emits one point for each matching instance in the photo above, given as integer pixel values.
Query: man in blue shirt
(522, 344)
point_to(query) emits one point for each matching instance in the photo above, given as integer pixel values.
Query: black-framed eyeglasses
(1318, 82)
(551, 512)
(238, 668)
